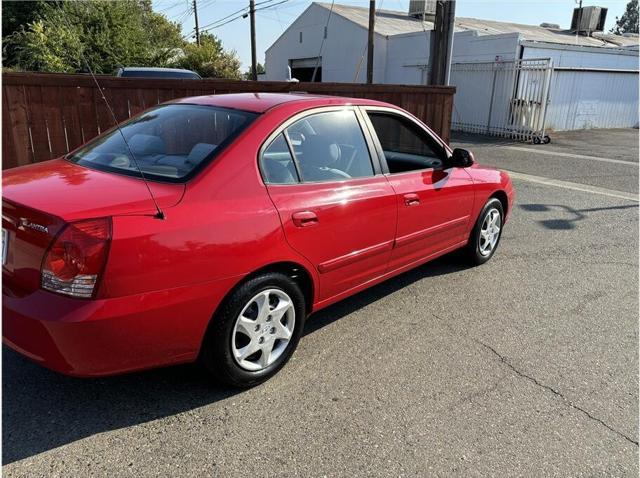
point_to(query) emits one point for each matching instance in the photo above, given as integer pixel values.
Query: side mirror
(462, 158)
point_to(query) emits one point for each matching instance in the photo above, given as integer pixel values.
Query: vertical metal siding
(593, 99)
(582, 97)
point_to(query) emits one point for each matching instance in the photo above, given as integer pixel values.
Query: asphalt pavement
(525, 366)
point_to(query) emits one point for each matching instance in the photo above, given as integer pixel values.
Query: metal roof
(391, 22)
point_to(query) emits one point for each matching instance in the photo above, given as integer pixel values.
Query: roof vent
(587, 20)
(423, 9)
(554, 26)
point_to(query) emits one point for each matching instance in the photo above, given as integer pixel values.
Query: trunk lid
(39, 199)
(72, 192)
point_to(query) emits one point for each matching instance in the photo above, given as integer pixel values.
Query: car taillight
(75, 260)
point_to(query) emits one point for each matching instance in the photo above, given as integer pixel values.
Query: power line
(272, 5)
(170, 7)
(243, 9)
(242, 13)
(180, 18)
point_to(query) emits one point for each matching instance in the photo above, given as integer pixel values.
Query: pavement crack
(535, 381)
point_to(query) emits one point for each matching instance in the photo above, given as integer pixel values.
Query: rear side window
(278, 165)
(326, 146)
(406, 146)
(167, 142)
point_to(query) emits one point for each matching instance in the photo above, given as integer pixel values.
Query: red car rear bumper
(104, 337)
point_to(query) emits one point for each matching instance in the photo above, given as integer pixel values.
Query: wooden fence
(46, 115)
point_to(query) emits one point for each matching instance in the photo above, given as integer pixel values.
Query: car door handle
(411, 199)
(305, 218)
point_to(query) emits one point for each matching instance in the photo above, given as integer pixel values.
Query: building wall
(408, 55)
(583, 99)
(471, 47)
(407, 59)
(579, 99)
(400, 59)
(344, 55)
(583, 57)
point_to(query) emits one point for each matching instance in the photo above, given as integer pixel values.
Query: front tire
(255, 331)
(486, 233)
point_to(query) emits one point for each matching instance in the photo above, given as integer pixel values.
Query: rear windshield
(168, 143)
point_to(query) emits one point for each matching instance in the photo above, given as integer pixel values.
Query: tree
(628, 23)
(259, 68)
(210, 59)
(110, 34)
(14, 16)
(17, 14)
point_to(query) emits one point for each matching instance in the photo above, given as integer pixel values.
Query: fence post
(493, 92)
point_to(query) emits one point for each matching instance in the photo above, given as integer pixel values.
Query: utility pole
(442, 42)
(372, 28)
(195, 16)
(252, 18)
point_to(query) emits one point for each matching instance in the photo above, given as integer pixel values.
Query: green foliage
(210, 59)
(16, 14)
(259, 67)
(628, 23)
(126, 32)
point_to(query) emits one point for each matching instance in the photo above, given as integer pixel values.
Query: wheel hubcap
(263, 330)
(490, 232)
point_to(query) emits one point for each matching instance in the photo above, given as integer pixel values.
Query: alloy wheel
(490, 231)
(263, 330)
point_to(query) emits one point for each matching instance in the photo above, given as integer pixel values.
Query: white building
(581, 81)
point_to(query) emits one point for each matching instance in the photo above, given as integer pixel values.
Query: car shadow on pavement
(452, 262)
(42, 410)
(568, 223)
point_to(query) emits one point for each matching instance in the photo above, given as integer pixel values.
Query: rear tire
(486, 233)
(255, 331)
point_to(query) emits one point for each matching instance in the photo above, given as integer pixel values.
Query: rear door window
(330, 146)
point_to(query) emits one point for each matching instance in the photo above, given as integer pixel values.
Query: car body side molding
(424, 233)
(355, 256)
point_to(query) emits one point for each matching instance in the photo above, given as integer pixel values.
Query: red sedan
(269, 207)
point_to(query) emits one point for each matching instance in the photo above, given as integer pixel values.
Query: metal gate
(502, 98)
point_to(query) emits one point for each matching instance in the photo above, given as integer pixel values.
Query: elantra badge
(32, 225)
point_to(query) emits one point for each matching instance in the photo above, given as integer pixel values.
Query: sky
(272, 21)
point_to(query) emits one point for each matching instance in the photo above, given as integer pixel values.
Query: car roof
(261, 102)
(154, 68)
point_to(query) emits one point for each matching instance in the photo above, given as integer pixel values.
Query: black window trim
(292, 153)
(373, 153)
(378, 146)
